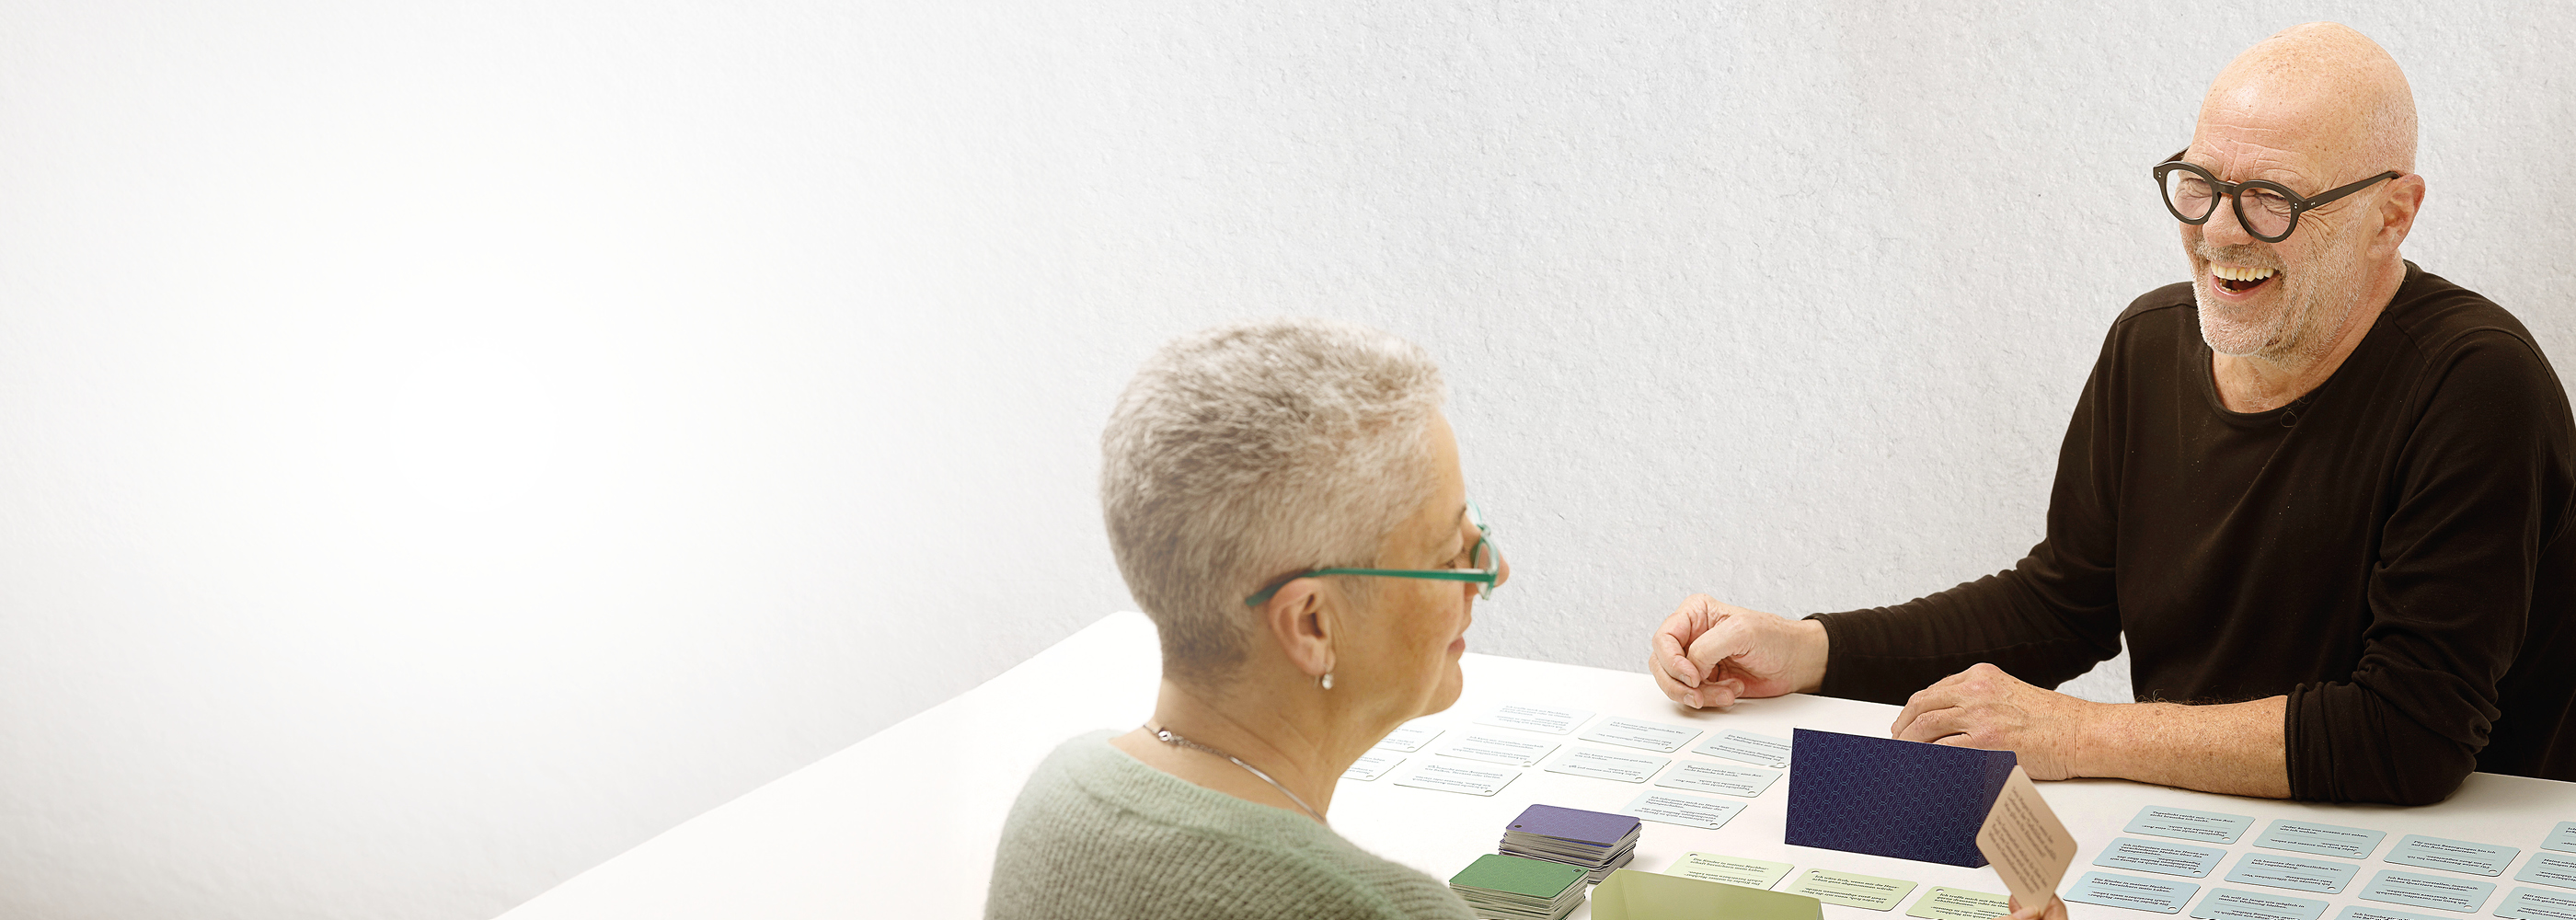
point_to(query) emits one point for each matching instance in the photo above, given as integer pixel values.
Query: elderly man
(2324, 494)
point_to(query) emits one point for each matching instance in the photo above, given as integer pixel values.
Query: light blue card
(2364, 912)
(1659, 737)
(1602, 763)
(1736, 744)
(2297, 873)
(2186, 824)
(2161, 858)
(2437, 892)
(2537, 904)
(2452, 855)
(1683, 809)
(2111, 889)
(2321, 839)
(1708, 777)
(2231, 904)
(2547, 868)
(2561, 838)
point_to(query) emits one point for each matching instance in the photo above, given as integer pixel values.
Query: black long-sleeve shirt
(2390, 551)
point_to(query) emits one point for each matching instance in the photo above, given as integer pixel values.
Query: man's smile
(2237, 279)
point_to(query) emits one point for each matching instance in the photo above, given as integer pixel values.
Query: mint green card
(1958, 904)
(1868, 892)
(1729, 870)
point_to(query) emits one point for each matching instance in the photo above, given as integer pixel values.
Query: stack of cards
(1590, 840)
(1502, 887)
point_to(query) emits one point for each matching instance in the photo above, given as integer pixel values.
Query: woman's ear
(1304, 619)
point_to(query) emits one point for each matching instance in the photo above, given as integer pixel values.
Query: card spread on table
(1604, 764)
(2561, 838)
(1407, 739)
(1452, 776)
(1958, 904)
(1744, 781)
(2547, 868)
(2029, 847)
(1850, 889)
(2320, 839)
(1632, 895)
(1683, 809)
(2537, 904)
(1759, 750)
(1639, 733)
(2441, 892)
(1550, 719)
(1498, 749)
(2231, 904)
(2454, 855)
(2297, 873)
(2186, 824)
(1887, 797)
(1371, 766)
(1732, 870)
(2367, 912)
(2159, 857)
(2111, 889)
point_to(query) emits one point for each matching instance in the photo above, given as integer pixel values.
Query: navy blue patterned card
(1886, 797)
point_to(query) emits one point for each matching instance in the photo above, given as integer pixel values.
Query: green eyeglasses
(1488, 562)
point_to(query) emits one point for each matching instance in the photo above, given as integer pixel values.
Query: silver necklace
(1168, 736)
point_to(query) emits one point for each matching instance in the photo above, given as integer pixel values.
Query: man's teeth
(2234, 273)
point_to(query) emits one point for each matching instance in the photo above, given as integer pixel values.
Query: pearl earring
(1328, 680)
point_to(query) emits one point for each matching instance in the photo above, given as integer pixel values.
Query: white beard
(2298, 326)
(2246, 336)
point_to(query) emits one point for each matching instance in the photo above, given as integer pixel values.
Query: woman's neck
(1292, 740)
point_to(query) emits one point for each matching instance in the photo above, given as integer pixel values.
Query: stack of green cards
(1500, 887)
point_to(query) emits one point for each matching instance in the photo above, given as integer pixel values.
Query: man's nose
(2222, 227)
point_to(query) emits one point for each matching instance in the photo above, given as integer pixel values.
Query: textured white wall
(442, 447)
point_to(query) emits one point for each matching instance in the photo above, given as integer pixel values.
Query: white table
(862, 833)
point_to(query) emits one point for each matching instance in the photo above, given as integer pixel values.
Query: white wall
(442, 447)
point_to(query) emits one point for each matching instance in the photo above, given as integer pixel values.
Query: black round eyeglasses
(2267, 210)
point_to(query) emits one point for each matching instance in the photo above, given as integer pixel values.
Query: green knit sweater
(1097, 833)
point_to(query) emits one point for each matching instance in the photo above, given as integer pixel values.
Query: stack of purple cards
(1589, 840)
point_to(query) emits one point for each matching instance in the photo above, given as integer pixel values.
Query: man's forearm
(2233, 748)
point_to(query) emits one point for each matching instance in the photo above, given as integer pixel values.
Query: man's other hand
(1713, 654)
(1983, 707)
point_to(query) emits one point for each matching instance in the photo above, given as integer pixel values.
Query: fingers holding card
(2022, 837)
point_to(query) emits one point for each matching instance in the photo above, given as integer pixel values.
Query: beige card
(2029, 847)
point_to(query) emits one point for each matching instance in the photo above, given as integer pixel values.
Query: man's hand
(2055, 909)
(1983, 707)
(1712, 654)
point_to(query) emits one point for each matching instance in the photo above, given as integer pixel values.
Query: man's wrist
(2102, 739)
(1814, 649)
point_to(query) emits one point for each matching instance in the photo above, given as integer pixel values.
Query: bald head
(2319, 89)
(2315, 108)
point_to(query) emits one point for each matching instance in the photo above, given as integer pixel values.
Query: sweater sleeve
(2048, 619)
(2450, 591)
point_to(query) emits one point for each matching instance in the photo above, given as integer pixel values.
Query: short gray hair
(1252, 451)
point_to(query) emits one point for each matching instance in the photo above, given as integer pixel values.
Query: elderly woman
(1285, 502)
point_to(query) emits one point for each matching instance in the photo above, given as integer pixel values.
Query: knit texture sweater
(1097, 833)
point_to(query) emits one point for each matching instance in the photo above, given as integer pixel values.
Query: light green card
(1632, 895)
(1958, 904)
(1730, 870)
(1868, 892)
